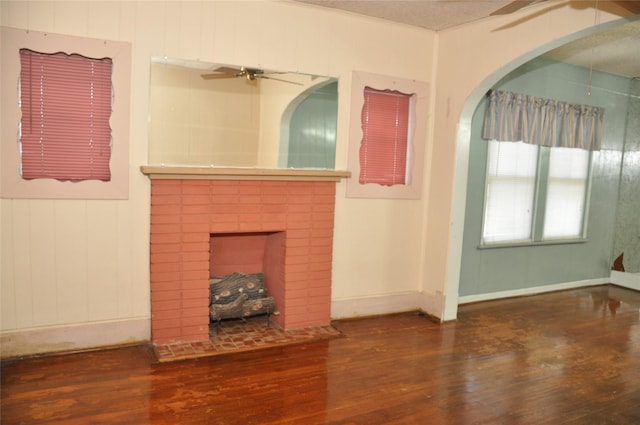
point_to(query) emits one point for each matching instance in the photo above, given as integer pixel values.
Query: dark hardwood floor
(570, 357)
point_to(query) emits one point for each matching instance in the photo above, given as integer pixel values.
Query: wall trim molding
(627, 280)
(387, 304)
(66, 338)
(533, 290)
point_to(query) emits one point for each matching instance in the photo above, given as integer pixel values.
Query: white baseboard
(51, 339)
(627, 280)
(532, 291)
(434, 304)
(387, 304)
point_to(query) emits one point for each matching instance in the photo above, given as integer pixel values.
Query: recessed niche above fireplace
(234, 116)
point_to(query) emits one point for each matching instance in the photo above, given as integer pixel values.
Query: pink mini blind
(66, 105)
(385, 128)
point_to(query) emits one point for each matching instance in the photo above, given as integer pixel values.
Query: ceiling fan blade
(217, 76)
(227, 70)
(514, 6)
(632, 6)
(224, 72)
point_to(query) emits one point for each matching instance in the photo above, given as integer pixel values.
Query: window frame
(539, 206)
(417, 137)
(13, 185)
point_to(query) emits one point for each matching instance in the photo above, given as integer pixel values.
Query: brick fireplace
(294, 219)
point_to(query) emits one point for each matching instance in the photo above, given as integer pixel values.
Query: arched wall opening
(463, 141)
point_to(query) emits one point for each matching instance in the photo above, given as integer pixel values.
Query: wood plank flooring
(569, 357)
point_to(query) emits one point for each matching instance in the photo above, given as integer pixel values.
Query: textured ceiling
(434, 15)
(615, 50)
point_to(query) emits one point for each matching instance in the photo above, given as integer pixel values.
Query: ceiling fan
(250, 74)
(632, 6)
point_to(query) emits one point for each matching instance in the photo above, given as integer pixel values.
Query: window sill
(532, 243)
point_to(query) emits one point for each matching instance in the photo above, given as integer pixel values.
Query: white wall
(69, 266)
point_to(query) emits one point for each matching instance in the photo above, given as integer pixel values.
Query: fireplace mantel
(222, 173)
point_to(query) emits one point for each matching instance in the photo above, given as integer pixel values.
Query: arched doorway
(464, 139)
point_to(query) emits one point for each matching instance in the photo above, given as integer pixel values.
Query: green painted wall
(312, 130)
(511, 268)
(627, 239)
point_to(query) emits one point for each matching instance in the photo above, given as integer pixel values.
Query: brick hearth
(186, 212)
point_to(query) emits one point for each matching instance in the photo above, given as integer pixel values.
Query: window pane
(566, 193)
(511, 182)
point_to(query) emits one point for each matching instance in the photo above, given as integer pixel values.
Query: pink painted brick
(291, 260)
(196, 329)
(166, 324)
(163, 277)
(304, 234)
(274, 199)
(323, 216)
(195, 237)
(169, 285)
(195, 246)
(195, 322)
(296, 274)
(165, 200)
(166, 210)
(195, 294)
(166, 188)
(165, 267)
(157, 229)
(164, 257)
(191, 266)
(165, 336)
(157, 306)
(196, 189)
(323, 291)
(196, 275)
(200, 256)
(202, 311)
(323, 266)
(218, 188)
(157, 248)
(324, 188)
(224, 227)
(300, 208)
(195, 219)
(296, 295)
(167, 315)
(195, 228)
(204, 209)
(159, 238)
(195, 303)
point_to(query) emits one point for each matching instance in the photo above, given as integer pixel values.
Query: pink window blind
(385, 127)
(66, 105)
